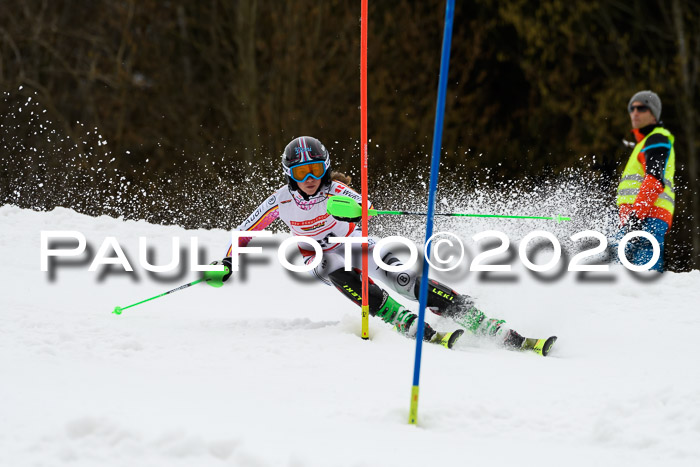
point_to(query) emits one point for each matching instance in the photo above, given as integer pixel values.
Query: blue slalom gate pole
(434, 168)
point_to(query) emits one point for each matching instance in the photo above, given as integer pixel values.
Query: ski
(539, 346)
(447, 339)
(512, 340)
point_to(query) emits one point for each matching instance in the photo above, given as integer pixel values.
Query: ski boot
(406, 323)
(444, 301)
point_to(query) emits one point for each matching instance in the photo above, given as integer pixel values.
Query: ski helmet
(305, 157)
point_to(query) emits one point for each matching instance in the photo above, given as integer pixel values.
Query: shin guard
(380, 302)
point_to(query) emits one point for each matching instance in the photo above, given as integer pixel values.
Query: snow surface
(269, 370)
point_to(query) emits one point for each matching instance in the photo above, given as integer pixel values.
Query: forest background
(161, 110)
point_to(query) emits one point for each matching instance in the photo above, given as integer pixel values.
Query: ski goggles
(639, 108)
(300, 173)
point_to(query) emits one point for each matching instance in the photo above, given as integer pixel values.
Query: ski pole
(344, 206)
(213, 278)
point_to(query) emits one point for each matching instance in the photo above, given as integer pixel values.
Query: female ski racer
(301, 204)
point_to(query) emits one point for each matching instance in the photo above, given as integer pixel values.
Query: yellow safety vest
(634, 174)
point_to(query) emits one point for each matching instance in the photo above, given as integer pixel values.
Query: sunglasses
(639, 108)
(314, 170)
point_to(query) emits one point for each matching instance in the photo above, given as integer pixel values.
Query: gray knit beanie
(650, 99)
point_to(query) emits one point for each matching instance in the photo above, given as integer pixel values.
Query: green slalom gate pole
(213, 278)
(345, 206)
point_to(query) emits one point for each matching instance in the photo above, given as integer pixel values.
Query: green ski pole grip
(345, 206)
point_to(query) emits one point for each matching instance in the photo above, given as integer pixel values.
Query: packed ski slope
(269, 369)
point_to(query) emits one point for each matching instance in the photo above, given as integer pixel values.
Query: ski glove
(226, 262)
